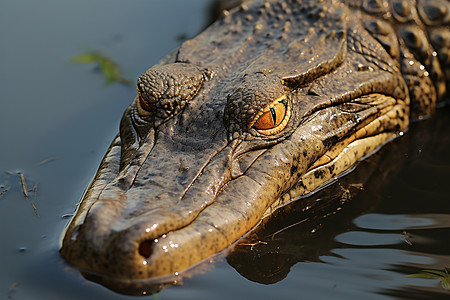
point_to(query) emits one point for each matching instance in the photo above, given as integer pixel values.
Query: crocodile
(272, 102)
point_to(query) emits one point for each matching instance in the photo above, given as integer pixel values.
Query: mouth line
(360, 84)
(377, 110)
(380, 127)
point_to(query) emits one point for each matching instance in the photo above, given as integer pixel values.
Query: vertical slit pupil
(274, 116)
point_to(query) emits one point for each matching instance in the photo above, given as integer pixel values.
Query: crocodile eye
(273, 118)
(143, 104)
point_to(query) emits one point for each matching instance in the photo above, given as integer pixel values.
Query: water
(387, 219)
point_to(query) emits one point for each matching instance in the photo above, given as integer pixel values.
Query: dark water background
(388, 219)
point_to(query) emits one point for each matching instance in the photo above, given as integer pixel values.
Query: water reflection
(267, 254)
(392, 229)
(402, 222)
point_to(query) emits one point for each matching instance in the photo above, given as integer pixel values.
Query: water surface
(357, 239)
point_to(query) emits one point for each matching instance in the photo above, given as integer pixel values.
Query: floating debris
(253, 244)
(43, 162)
(345, 196)
(24, 185)
(357, 186)
(406, 238)
(108, 67)
(287, 227)
(433, 274)
(9, 172)
(34, 191)
(35, 209)
(11, 290)
(4, 191)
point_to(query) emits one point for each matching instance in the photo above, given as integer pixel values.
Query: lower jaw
(343, 157)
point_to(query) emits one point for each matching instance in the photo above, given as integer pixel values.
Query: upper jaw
(122, 233)
(201, 206)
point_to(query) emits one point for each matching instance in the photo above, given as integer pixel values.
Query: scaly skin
(192, 170)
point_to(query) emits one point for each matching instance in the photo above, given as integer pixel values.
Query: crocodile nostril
(146, 248)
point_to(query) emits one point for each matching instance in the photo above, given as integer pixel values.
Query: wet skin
(271, 102)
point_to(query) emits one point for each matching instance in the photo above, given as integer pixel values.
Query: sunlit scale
(273, 118)
(152, 228)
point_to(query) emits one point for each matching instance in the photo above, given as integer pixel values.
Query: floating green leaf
(434, 274)
(108, 67)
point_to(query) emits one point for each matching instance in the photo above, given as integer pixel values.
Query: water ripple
(402, 222)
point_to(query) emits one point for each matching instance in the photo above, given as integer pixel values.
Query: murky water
(358, 239)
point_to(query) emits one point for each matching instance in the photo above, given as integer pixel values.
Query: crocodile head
(270, 103)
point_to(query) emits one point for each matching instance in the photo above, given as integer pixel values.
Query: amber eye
(143, 103)
(142, 106)
(273, 118)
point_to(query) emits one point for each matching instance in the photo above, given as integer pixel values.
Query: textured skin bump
(385, 34)
(440, 39)
(166, 89)
(417, 33)
(401, 11)
(434, 12)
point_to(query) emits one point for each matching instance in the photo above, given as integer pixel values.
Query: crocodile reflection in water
(271, 102)
(307, 230)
